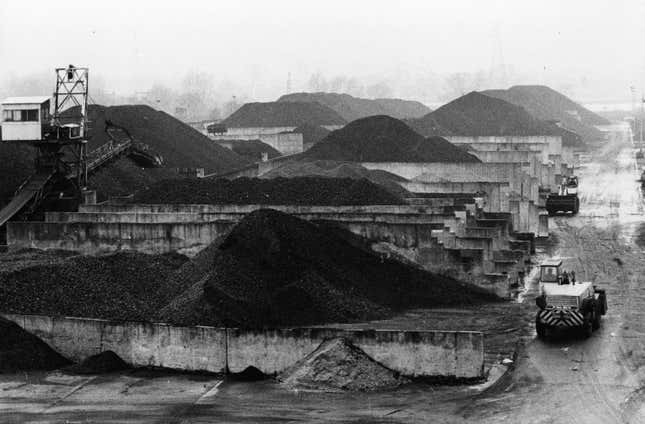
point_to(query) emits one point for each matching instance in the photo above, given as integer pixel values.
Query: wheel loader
(566, 199)
(565, 304)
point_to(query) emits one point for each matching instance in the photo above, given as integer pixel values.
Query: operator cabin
(25, 118)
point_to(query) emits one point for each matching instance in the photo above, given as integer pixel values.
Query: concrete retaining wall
(554, 142)
(101, 237)
(287, 143)
(458, 354)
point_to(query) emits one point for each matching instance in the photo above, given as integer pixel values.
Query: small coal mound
(248, 374)
(276, 191)
(385, 139)
(100, 363)
(338, 365)
(22, 351)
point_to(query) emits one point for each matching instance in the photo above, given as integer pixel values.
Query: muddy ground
(566, 380)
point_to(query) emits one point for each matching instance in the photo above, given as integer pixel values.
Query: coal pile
(548, 104)
(476, 114)
(338, 365)
(123, 285)
(336, 169)
(311, 134)
(252, 150)
(352, 108)
(282, 114)
(275, 269)
(275, 191)
(22, 351)
(16, 165)
(385, 139)
(100, 363)
(180, 144)
(123, 177)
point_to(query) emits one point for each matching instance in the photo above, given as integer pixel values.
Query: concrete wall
(554, 142)
(93, 238)
(458, 354)
(286, 143)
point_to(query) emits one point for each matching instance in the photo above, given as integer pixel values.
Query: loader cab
(572, 182)
(550, 271)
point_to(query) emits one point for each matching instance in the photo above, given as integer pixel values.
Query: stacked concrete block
(452, 234)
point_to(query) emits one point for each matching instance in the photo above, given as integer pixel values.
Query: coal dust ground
(567, 380)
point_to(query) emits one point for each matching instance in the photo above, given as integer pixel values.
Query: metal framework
(65, 146)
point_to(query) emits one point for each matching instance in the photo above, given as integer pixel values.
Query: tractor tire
(587, 327)
(595, 323)
(540, 329)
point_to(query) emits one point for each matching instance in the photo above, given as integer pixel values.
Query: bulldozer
(564, 304)
(566, 199)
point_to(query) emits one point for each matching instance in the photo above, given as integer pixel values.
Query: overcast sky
(594, 47)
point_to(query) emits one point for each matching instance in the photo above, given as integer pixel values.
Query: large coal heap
(283, 114)
(548, 104)
(180, 145)
(276, 269)
(352, 108)
(385, 139)
(476, 114)
(275, 191)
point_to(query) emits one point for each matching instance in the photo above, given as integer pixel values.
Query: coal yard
(389, 248)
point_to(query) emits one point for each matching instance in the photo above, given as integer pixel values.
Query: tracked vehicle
(565, 304)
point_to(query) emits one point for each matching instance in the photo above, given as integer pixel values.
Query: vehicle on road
(566, 199)
(565, 304)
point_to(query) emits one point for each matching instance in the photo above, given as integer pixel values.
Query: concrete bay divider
(452, 354)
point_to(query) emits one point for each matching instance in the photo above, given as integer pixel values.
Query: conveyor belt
(27, 192)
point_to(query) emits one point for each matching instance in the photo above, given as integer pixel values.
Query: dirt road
(602, 379)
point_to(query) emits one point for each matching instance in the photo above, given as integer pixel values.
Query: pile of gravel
(338, 365)
(385, 139)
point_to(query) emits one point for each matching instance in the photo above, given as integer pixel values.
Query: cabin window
(21, 115)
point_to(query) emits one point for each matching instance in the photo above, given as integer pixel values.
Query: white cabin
(25, 118)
